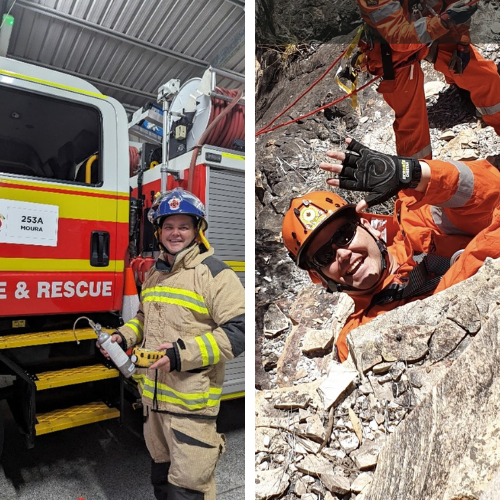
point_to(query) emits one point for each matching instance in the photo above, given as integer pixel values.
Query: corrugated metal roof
(129, 48)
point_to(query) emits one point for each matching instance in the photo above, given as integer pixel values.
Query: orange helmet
(306, 215)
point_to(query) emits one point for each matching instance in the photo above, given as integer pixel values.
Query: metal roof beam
(229, 50)
(238, 3)
(109, 32)
(95, 81)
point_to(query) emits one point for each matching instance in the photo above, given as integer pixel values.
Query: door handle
(99, 249)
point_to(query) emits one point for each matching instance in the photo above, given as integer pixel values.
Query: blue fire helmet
(178, 202)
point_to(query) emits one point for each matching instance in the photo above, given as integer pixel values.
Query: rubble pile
(321, 439)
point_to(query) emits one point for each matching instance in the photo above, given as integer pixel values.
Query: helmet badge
(311, 216)
(174, 203)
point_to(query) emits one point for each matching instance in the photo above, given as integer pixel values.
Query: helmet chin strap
(333, 286)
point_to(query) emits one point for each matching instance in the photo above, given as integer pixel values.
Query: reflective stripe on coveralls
(137, 327)
(178, 296)
(490, 110)
(194, 401)
(383, 12)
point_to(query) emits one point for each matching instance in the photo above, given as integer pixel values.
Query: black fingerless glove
(457, 13)
(377, 173)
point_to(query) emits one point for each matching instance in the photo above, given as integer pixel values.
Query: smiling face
(358, 264)
(177, 232)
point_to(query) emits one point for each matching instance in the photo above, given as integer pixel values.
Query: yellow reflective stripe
(215, 348)
(191, 401)
(81, 205)
(55, 265)
(234, 157)
(203, 350)
(51, 84)
(177, 302)
(137, 327)
(177, 296)
(236, 265)
(210, 353)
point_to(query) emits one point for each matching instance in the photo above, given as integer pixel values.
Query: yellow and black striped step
(75, 416)
(73, 376)
(44, 338)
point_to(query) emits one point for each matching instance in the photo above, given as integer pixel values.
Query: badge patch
(310, 216)
(174, 203)
(372, 3)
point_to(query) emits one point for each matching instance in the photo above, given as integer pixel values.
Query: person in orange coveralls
(400, 35)
(442, 207)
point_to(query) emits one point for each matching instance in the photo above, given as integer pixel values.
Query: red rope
(260, 132)
(304, 93)
(265, 130)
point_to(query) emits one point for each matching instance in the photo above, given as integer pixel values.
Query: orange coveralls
(390, 21)
(459, 209)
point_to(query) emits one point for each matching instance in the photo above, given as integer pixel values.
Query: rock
(466, 155)
(316, 341)
(433, 88)
(313, 429)
(381, 368)
(367, 455)
(406, 342)
(271, 483)
(300, 488)
(336, 483)
(349, 442)
(495, 27)
(292, 400)
(314, 465)
(458, 459)
(356, 425)
(361, 481)
(336, 382)
(445, 339)
(447, 135)
(274, 321)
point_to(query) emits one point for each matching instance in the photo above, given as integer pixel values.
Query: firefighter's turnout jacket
(413, 32)
(459, 209)
(197, 304)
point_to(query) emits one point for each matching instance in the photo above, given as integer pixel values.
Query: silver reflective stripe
(421, 29)
(465, 187)
(442, 222)
(490, 110)
(423, 153)
(383, 12)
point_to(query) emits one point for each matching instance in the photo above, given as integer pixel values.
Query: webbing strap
(422, 279)
(387, 65)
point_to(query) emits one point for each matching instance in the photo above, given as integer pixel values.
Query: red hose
(226, 124)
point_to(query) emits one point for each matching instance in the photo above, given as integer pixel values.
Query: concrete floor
(106, 461)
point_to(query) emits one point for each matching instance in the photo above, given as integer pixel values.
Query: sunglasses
(342, 237)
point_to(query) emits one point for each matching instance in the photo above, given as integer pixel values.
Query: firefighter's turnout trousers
(195, 446)
(406, 97)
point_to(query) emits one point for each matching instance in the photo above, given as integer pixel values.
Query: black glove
(377, 173)
(457, 13)
(460, 59)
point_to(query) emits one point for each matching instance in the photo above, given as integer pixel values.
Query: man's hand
(164, 362)
(460, 59)
(457, 13)
(114, 338)
(377, 173)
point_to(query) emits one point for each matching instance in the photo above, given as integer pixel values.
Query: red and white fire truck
(74, 197)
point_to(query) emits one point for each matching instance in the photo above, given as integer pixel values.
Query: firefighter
(441, 209)
(192, 306)
(400, 35)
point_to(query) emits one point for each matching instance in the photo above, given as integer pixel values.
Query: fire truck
(74, 198)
